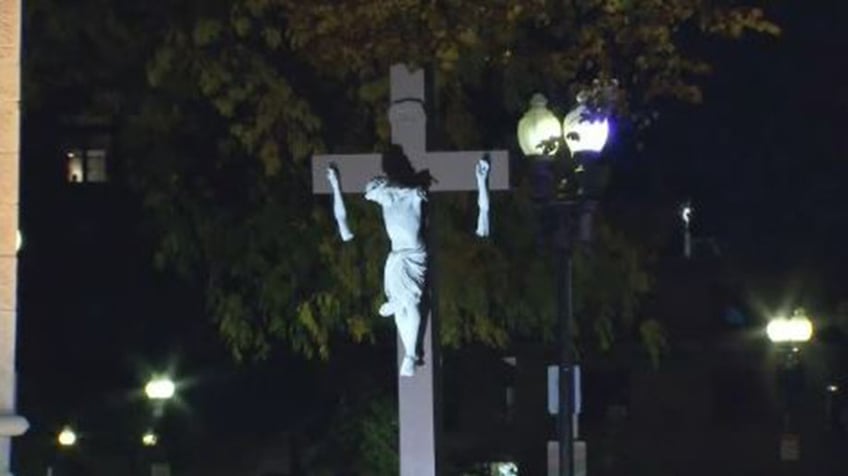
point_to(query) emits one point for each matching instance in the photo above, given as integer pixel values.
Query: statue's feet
(407, 367)
(387, 310)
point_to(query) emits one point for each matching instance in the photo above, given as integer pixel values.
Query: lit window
(95, 165)
(75, 167)
(86, 165)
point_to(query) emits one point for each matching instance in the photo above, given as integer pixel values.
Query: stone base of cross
(450, 171)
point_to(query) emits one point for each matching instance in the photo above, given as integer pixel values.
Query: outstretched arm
(339, 210)
(482, 173)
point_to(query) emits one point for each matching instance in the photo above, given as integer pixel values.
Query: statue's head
(400, 172)
(396, 165)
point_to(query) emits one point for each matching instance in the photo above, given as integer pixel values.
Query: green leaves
(363, 440)
(239, 95)
(206, 31)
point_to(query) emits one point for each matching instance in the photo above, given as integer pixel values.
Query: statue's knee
(386, 309)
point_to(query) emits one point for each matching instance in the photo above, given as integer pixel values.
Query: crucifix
(399, 182)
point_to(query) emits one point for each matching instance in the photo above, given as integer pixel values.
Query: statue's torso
(402, 218)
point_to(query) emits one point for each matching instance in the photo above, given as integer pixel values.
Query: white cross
(451, 171)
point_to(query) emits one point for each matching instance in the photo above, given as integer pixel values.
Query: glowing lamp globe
(149, 439)
(159, 389)
(795, 329)
(585, 132)
(67, 437)
(538, 125)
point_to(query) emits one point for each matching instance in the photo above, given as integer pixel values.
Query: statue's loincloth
(404, 276)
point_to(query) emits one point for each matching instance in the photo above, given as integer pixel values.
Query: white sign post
(580, 454)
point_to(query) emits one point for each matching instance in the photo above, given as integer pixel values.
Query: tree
(244, 92)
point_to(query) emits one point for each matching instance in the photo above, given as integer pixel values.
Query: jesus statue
(401, 200)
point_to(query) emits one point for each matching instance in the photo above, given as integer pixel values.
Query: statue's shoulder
(420, 193)
(399, 191)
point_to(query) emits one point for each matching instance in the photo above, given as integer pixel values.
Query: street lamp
(583, 129)
(788, 333)
(67, 437)
(160, 388)
(537, 126)
(149, 439)
(583, 133)
(792, 330)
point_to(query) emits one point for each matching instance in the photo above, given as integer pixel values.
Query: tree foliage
(363, 441)
(241, 93)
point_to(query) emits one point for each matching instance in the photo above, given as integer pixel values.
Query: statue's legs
(407, 321)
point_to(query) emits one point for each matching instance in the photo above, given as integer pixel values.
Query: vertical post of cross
(10, 88)
(417, 396)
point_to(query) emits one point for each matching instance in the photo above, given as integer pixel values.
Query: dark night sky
(764, 161)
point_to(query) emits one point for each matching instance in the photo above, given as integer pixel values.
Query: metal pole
(558, 211)
(565, 313)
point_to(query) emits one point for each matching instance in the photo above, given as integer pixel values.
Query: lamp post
(66, 439)
(159, 390)
(788, 334)
(562, 183)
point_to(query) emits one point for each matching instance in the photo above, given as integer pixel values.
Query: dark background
(763, 161)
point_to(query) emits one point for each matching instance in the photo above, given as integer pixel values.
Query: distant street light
(686, 215)
(788, 334)
(149, 439)
(160, 388)
(793, 330)
(67, 437)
